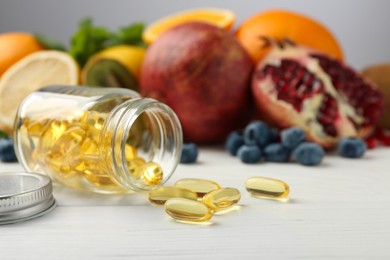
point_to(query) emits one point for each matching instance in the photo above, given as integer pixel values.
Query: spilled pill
(160, 195)
(200, 186)
(187, 210)
(267, 187)
(221, 198)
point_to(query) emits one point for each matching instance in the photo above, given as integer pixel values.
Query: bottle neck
(138, 132)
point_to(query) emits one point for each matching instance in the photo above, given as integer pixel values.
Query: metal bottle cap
(24, 196)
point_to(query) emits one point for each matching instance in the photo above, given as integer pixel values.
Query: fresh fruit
(31, 73)
(202, 73)
(309, 154)
(249, 153)
(380, 75)
(378, 137)
(14, 46)
(219, 17)
(234, 141)
(371, 141)
(383, 136)
(189, 153)
(7, 152)
(118, 66)
(297, 86)
(292, 137)
(276, 152)
(351, 147)
(273, 135)
(279, 25)
(257, 133)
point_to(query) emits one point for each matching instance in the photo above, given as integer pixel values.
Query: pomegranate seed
(345, 80)
(294, 83)
(327, 114)
(382, 136)
(371, 142)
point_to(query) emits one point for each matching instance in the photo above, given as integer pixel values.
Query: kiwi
(380, 75)
(109, 73)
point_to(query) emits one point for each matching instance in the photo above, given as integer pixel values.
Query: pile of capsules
(196, 200)
(68, 149)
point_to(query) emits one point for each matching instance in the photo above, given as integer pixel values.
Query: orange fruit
(14, 46)
(219, 17)
(279, 25)
(35, 71)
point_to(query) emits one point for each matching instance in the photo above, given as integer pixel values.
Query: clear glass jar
(105, 140)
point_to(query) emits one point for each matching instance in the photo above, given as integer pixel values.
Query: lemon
(117, 66)
(219, 17)
(31, 73)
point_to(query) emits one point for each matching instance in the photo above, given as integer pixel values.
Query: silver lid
(24, 196)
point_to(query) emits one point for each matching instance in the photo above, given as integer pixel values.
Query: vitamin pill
(267, 187)
(221, 198)
(187, 210)
(133, 164)
(160, 195)
(130, 152)
(200, 186)
(150, 173)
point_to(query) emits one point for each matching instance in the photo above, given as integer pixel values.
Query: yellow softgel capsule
(36, 128)
(222, 198)
(200, 186)
(50, 135)
(187, 210)
(100, 179)
(151, 173)
(130, 152)
(160, 195)
(69, 143)
(133, 164)
(267, 187)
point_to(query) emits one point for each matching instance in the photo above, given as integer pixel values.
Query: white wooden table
(340, 210)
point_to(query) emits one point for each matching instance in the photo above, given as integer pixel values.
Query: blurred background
(361, 26)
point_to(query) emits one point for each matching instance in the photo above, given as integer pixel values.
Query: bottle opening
(146, 140)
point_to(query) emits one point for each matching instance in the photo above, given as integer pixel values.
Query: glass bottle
(106, 140)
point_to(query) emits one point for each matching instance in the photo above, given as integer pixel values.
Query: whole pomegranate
(203, 74)
(296, 86)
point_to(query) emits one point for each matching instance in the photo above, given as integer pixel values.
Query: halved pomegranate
(297, 86)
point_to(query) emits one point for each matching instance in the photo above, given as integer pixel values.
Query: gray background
(361, 26)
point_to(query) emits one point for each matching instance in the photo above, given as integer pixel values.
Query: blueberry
(256, 133)
(292, 137)
(273, 135)
(189, 154)
(7, 152)
(352, 147)
(234, 141)
(276, 153)
(308, 153)
(249, 154)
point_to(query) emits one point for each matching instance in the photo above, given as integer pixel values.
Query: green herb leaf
(90, 39)
(87, 40)
(49, 43)
(3, 134)
(131, 35)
